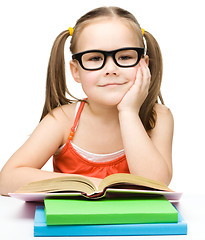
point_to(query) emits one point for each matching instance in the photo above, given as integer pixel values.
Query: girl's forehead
(108, 34)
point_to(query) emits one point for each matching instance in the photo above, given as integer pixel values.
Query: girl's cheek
(134, 73)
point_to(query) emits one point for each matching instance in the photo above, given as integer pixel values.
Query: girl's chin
(113, 100)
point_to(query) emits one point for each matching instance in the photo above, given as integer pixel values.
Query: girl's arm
(148, 156)
(25, 164)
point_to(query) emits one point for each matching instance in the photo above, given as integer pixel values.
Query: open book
(119, 183)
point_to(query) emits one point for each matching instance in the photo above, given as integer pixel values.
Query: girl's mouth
(111, 84)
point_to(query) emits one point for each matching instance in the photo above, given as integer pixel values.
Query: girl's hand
(135, 96)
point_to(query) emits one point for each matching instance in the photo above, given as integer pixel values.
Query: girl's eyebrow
(101, 50)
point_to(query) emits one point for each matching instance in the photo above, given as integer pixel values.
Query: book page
(126, 179)
(67, 183)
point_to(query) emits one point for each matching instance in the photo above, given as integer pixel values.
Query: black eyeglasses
(95, 59)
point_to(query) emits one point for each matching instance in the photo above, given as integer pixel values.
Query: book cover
(41, 229)
(109, 211)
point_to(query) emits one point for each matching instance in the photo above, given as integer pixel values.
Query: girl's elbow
(166, 177)
(6, 181)
(3, 188)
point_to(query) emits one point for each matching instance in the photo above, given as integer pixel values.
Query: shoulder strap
(72, 132)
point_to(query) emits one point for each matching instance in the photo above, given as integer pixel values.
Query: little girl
(120, 127)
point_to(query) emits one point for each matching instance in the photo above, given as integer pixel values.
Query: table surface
(16, 220)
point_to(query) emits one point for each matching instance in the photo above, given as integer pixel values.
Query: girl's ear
(74, 70)
(146, 58)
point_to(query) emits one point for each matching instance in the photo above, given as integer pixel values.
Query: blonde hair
(56, 88)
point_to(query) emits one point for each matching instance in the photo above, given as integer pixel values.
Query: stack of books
(122, 204)
(108, 217)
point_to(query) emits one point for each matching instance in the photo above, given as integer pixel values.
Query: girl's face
(108, 85)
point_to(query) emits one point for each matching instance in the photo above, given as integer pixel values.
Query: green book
(109, 211)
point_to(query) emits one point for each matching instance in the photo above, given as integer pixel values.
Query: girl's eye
(95, 59)
(125, 57)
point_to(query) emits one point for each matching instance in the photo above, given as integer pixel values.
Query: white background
(28, 30)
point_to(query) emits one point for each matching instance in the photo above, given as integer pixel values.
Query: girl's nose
(110, 66)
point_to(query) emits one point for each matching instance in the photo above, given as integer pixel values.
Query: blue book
(42, 230)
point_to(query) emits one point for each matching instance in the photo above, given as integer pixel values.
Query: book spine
(90, 219)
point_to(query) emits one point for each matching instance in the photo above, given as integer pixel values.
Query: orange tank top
(70, 161)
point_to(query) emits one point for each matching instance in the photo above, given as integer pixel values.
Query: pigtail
(56, 88)
(147, 112)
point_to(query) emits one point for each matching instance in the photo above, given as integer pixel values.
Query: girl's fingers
(145, 73)
(139, 78)
(139, 74)
(145, 69)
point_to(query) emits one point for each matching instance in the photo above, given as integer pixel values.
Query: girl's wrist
(129, 112)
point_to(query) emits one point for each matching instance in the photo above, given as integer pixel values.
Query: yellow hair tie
(142, 31)
(70, 31)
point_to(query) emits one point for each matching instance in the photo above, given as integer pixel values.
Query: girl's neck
(106, 113)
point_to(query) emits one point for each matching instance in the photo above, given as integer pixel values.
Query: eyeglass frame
(78, 57)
